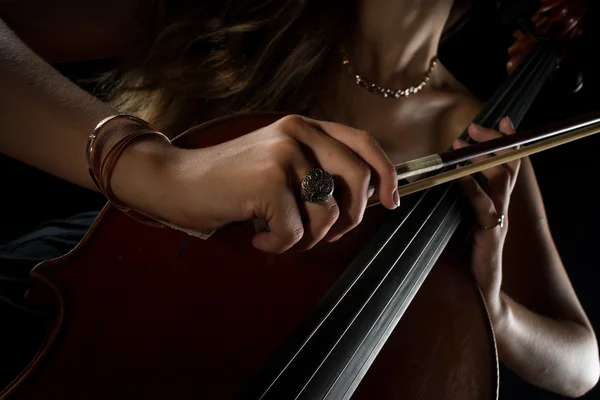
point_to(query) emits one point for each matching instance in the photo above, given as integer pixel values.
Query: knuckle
(391, 169)
(279, 249)
(291, 122)
(354, 219)
(309, 246)
(497, 234)
(362, 172)
(333, 212)
(295, 235)
(365, 138)
(286, 148)
(275, 175)
(478, 192)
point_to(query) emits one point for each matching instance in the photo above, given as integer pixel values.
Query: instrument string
(336, 345)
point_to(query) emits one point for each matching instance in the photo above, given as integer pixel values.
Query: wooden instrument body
(134, 315)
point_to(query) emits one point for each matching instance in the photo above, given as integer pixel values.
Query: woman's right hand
(258, 176)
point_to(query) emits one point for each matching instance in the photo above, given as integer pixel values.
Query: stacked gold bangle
(102, 175)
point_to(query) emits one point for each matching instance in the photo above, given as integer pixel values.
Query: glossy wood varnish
(133, 317)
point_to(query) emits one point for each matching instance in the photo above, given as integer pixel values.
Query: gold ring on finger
(499, 222)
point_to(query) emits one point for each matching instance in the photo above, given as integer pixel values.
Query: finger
(352, 175)
(318, 220)
(458, 143)
(284, 221)
(499, 180)
(492, 174)
(364, 144)
(480, 134)
(484, 208)
(506, 126)
(512, 166)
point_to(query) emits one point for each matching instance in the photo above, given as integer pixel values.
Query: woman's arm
(44, 118)
(45, 121)
(543, 332)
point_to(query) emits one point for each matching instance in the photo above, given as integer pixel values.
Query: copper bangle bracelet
(102, 177)
(91, 143)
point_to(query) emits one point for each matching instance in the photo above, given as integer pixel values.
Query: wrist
(142, 175)
(500, 312)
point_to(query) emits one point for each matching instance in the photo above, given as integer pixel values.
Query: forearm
(559, 356)
(44, 118)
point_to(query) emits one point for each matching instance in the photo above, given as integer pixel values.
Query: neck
(395, 40)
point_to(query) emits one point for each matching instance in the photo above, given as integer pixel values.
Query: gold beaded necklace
(384, 92)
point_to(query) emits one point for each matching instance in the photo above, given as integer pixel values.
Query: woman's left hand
(490, 202)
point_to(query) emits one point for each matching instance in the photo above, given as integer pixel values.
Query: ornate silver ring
(317, 186)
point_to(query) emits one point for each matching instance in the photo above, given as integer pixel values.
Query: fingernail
(475, 126)
(512, 126)
(335, 239)
(461, 142)
(396, 198)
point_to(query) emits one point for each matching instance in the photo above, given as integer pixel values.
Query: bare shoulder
(462, 110)
(74, 30)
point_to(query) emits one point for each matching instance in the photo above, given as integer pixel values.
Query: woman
(184, 64)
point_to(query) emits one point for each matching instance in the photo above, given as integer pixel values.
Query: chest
(406, 128)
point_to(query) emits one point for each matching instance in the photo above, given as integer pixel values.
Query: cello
(135, 314)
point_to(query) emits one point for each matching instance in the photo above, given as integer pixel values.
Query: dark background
(477, 56)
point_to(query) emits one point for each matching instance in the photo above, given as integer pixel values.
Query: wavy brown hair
(202, 59)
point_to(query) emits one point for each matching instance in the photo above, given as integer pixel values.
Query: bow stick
(551, 136)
